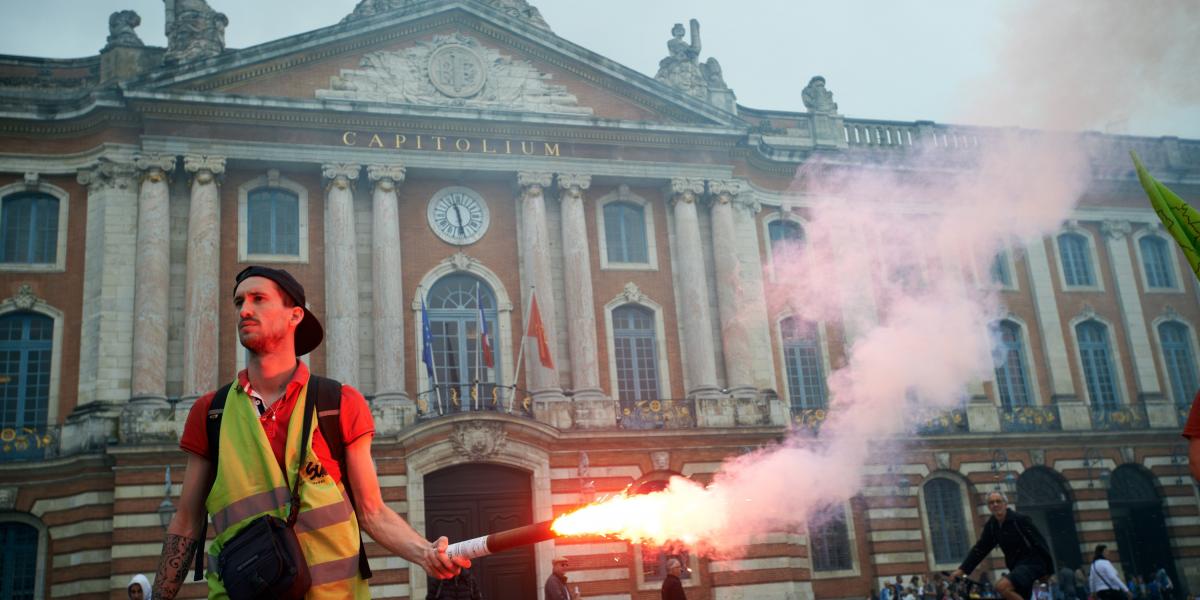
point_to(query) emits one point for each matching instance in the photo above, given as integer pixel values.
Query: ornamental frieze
(452, 70)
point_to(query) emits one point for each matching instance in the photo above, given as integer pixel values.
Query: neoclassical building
(457, 157)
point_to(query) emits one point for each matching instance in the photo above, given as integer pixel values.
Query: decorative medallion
(478, 440)
(456, 71)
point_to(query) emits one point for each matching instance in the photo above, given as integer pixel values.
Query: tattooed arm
(184, 531)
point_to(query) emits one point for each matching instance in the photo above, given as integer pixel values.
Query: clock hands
(458, 213)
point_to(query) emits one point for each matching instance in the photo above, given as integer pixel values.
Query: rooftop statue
(194, 31)
(120, 30)
(816, 98)
(681, 68)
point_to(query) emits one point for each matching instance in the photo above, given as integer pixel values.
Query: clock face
(458, 215)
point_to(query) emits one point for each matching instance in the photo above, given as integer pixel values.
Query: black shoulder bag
(264, 559)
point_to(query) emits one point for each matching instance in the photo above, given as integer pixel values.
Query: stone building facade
(443, 155)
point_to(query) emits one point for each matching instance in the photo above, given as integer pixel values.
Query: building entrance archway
(1139, 523)
(466, 501)
(1042, 495)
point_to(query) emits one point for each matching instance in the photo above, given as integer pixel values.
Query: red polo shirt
(1192, 428)
(355, 418)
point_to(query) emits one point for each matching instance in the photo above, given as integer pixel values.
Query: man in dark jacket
(672, 587)
(556, 583)
(1026, 554)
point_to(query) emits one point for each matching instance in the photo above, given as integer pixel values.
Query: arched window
(18, 571)
(829, 540)
(655, 558)
(454, 314)
(1098, 370)
(29, 228)
(1011, 382)
(783, 231)
(26, 348)
(1179, 361)
(1076, 260)
(1044, 497)
(636, 353)
(1156, 260)
(805, 367)
(947, 523)
(625, 232)
(999, 273)
(273, 222)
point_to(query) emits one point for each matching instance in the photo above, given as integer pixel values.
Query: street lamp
(1179, 459)
(1092, 460)
(1000, 463)
(166, 510)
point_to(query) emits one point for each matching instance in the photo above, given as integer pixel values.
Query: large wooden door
(466, 501)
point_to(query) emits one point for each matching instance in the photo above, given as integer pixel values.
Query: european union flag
(427, 343)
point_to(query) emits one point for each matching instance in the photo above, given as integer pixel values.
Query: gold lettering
(439, 139)
(375, 141)
(418, 142)
(400, 139)
(551, 149)
(508, 146)
(485, 148)
(526, 147)
(350, 138)
(462, 145)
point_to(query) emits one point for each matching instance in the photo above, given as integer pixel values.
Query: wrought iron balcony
(451, 398)
(1119, 418)
(27, 443)
(1026, 419)
(950, 422)
(666, 413)
(809, 419)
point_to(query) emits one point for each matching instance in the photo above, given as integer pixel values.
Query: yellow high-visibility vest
(249, 484)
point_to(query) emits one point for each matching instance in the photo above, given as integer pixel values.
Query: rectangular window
(29, 229)
(273, 222)
(829, 541)
(1000, 274)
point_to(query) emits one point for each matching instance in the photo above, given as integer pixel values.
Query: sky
(1102, 65)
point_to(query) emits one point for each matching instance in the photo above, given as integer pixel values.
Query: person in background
(1026, 553)
(556, 583)
(672, 587)
(461, 587)
(138, 588)
(1104, 581)
(1165, 586)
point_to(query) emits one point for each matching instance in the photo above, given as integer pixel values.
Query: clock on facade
(458, 215)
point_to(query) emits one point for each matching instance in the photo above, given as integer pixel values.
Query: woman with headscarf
(139, 587)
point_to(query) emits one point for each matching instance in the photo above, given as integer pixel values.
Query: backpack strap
(212, 428)
(329, 414)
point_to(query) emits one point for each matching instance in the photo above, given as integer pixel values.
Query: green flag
(1179, 219)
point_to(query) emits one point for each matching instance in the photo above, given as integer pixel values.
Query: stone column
(699, 366)
(106, 328)
(392, 408)
(202, 288)
(735, 340)
(592, 408)
(1073, 412)
(542, 382)
(148, 415)
(341, 273)
(153, 280)
(1159, 411)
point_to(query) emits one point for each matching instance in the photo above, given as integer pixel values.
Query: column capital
(386, 177)
(204, 168)
(1115, 229)
(726, 189)
(340, 175)
(684, 189)
(107, 174)
(567, 181)
(154, 167)
(532, 183)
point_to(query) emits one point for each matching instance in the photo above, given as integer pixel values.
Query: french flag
(485, 340)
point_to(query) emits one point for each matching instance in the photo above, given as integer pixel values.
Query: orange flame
(683, 513)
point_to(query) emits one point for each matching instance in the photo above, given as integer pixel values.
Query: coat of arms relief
(453, 70)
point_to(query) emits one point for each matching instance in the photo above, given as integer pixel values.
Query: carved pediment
(478, 440)
(452, 70)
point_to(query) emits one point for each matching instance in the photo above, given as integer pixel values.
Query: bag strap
(310, 408)
(1101, 574)
(329, 408)
(212, 430)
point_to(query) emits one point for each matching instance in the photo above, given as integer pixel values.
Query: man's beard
(260, 342)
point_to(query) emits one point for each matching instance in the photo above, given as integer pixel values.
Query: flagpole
(478, 349)
(437, 392)
(521, 348)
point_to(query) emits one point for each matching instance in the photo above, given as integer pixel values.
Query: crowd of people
(1063, 585)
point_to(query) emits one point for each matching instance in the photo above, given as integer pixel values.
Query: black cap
(309, 332)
